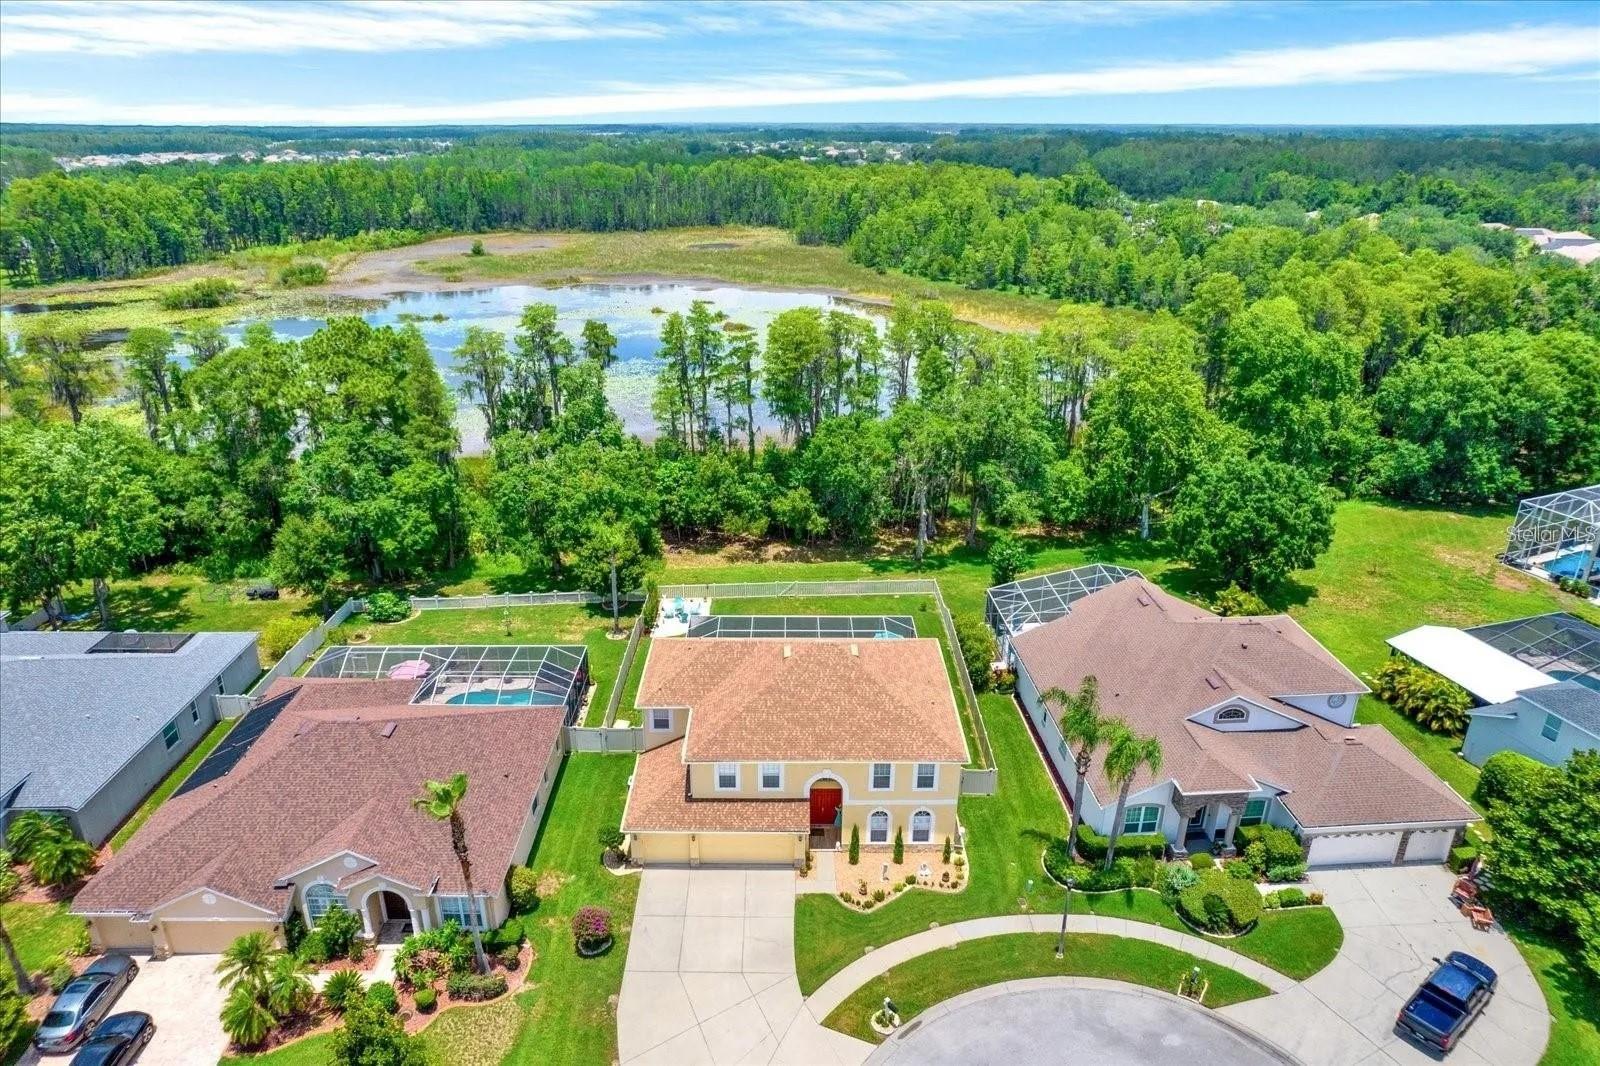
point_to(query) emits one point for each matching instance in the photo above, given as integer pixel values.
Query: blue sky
(386, 62)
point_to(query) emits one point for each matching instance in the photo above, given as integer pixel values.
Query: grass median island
(170, 783)
(930, 979)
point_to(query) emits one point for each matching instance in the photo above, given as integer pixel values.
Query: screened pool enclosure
(1561, 646)
(1019, 606)
(806, 626)
(542, 675)
(1559, 534)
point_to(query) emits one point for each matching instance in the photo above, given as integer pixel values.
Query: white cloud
(1521, 51)
(947, 18)
(146, 27)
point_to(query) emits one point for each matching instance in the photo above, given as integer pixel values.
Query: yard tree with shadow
(441, 800)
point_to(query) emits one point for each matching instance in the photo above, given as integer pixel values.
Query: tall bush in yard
(855, 845)
(1434, 702)
(1544, 856)
(899, 847)
(977, 649)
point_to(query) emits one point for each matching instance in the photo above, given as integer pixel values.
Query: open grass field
(170, 783)
(930, 979)
(163, 601)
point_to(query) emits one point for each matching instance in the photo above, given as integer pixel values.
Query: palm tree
(246, 962)
(1126, 754)
(60, 861)
(1084, 728)
(30, 829)
(246, 1019)
(288, 988)
(442, 800)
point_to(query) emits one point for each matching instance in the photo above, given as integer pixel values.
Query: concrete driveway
(1397, 920)
(182, 995)
(1102, 1022)
(710, 975)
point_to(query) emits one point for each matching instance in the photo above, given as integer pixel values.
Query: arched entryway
(827, 799)
(390, 916)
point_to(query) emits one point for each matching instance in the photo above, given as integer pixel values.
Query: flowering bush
(591, 927)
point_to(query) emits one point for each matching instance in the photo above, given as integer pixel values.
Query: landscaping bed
(878, 879)
(926, 980)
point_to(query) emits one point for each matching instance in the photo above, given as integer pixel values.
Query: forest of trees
(1273, 358)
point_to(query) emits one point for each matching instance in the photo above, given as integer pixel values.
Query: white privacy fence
(232, 706)
(515, 599)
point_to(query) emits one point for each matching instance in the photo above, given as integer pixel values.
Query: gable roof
(1571, 701)
(329, 776)
(804, 700)
(1160, 660)
(70, 718)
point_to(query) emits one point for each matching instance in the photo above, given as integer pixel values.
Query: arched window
(878, 827)
(1232, 714)
(922, 827)
(320, 899)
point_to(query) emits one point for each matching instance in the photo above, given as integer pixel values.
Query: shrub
(1255, 856)
(1241, 869)
(306, 272)
(509, 956)
(911, 879)
(1006, 558)
(1508, 777)
(426, 999)
(591, 927)
(977, 648)
(475, 986)
(1462, 856)
(358, 950)
(899, 847)
(652, 602)
(294, 931)
(60, 975)
(1314, 899)
(1278, 845)
(1294, 871)
(372, 1035)
(202, 292)
(314, 948)
(878, 895)
(611, 839)
(1092, 846)
(1291, 897)
(947, 849)
(846, 897)
(1144, 871)
(477, 248)
(522, 885)
(61, 860)
(1219, 903)
(279, 635)
(1202, 860)
(342, 989)
(1178, 876)
(959, 861)
(1434, 702)
(31, 829)
(382, 995)
(1271, 901)
(1233, 601)
(855, 845)
(338, 929)
(386, 606)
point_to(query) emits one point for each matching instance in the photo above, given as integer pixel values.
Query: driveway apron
(710, 975)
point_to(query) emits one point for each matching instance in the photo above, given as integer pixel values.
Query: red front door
(825, 800)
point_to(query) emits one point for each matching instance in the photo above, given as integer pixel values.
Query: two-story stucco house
(759, 748)
(308, 806)
(1256, 724)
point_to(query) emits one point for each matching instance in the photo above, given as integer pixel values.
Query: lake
(634, 312)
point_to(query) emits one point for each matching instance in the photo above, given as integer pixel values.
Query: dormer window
(1231, 714)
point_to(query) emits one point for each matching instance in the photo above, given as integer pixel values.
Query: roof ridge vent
(388, 730)
(1214, 679)
(1144, 600)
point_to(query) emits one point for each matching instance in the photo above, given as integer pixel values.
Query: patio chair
(1481, 917)
(1464, 891)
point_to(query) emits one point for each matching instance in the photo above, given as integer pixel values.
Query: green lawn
(170, 784)
(926, 980)
(1573, 998)
(187, 602)
(42, 932)
(555, 624)
(569, 1013)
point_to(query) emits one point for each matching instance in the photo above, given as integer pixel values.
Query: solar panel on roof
(137, 643)
(236, 745)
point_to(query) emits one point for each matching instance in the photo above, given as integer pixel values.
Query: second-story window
(927, 776)
(882, 776)
(771, 776)
(727, 775)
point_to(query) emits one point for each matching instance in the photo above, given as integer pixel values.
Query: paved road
(1057, 1019)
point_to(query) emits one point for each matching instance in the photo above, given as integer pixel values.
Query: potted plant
(591, 930)
(611, 839)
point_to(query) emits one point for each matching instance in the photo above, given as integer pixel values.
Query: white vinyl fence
(293, 659)
(515, 599)
(604, 739)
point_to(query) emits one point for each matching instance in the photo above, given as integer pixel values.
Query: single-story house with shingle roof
(317, 813)
(1256, 722)
(91, 722)
(757, 748)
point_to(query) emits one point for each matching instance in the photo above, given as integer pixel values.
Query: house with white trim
(307, 805)
(1256, 722)
(756, 749)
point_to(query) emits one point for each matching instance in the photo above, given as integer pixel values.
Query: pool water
(1570, 565)
(488, 697)
(1586, 680)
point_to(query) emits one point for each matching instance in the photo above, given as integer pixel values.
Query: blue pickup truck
(1439, 1012)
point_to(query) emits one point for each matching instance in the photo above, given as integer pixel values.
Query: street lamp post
(1066, 905)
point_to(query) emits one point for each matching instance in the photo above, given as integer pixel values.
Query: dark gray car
(82, 1004)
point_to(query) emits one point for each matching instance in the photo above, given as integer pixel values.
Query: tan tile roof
(807, 699)
(659, 802)
(323, 779)
(1160, 660)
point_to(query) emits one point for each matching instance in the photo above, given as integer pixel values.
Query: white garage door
(1351, 849)
(1431, 846)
